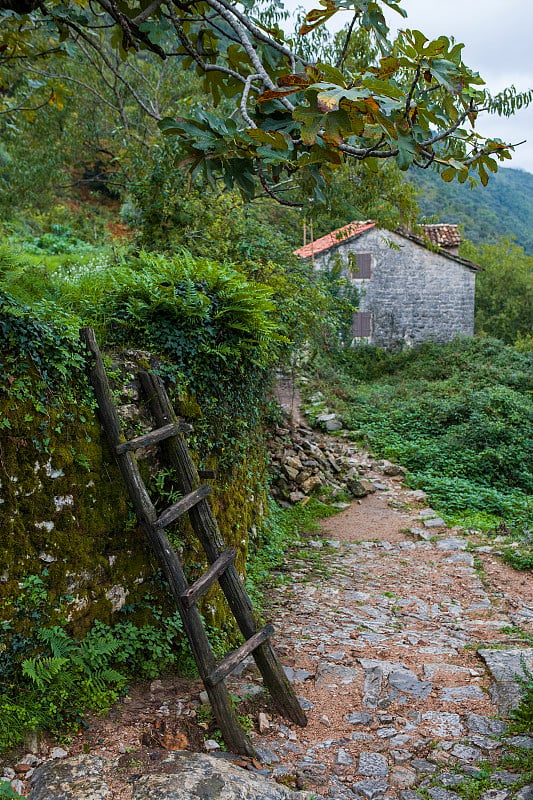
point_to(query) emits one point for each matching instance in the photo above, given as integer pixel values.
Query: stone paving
(382, 639)
(401, 638)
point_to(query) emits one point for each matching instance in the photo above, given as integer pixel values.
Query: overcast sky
(498, 39)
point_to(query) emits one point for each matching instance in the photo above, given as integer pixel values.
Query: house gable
(409, 292)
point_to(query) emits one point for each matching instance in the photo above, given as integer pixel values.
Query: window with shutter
(362, 324)
(363, 262)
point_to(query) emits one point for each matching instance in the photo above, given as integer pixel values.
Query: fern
(61, 645)
(100, 679)
(11, 267)
(43, 671)
(78, 674)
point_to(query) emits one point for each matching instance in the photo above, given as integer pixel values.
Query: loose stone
(465, 753)
(371, 789)
(434, 522)
(421, 765)
(372, 765)
(486, 726)
(406, 681)
(266, 756)
(496, 794)
(437, 793)
(344, 758)
(506, 777)
(455, 694)
(402, 777)
(358, 718)
(444, 724)
(452, 544)
(449, 779)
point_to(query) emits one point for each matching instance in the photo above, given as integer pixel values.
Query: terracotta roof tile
(442, 235)
(334, 238)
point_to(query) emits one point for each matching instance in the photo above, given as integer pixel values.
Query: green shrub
(281, 530)
(459, 416)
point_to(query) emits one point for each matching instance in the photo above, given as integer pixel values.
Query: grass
(282, 536)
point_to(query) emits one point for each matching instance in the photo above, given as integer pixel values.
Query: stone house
(412, 288)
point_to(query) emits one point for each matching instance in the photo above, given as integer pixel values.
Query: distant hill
(502, 208)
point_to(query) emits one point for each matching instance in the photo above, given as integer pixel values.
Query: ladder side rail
(206, 528)
(234, 736)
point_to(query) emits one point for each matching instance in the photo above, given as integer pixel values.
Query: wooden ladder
(170, 434)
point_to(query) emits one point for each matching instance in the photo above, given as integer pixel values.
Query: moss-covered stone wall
(64, 513)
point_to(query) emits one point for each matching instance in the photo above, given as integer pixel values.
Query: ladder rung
(205, 474)
(178, 509)
(200, 587)
(234, 659)
(152, 437)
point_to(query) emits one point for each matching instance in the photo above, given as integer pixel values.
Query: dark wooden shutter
(362, 324)
(364, 263)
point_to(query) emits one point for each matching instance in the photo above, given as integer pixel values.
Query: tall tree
(504, 289)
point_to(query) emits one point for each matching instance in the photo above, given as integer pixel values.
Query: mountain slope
(502, 208)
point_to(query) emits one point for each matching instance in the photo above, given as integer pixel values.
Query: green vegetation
(280, 533)
(517, 759)
(148, 239)
(459, 417)
(49, 679)
(504, 292)
(522, 717)
(287, 106)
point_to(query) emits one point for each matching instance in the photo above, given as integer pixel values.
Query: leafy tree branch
(416, 102)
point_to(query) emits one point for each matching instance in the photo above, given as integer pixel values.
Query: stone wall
(414, 294)
(65, 516)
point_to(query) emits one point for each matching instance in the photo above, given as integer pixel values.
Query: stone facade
(413, 294)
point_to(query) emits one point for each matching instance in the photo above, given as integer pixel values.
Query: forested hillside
(502, 208)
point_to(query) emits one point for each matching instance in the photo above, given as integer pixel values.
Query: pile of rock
(305, 462)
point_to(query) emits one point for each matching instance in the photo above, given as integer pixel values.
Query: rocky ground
(401, 636)
(394, 638)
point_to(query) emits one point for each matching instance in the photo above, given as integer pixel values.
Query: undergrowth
(459, 416)
(270, 548)
(49, 679)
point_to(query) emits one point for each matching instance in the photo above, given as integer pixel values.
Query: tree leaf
(275, 94)
(299, 79)
(448, 174)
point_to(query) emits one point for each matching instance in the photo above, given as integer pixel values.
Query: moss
(189, 407)
(65, 512)
(64, 508)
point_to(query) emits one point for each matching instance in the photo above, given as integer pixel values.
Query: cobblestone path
(393, 637)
